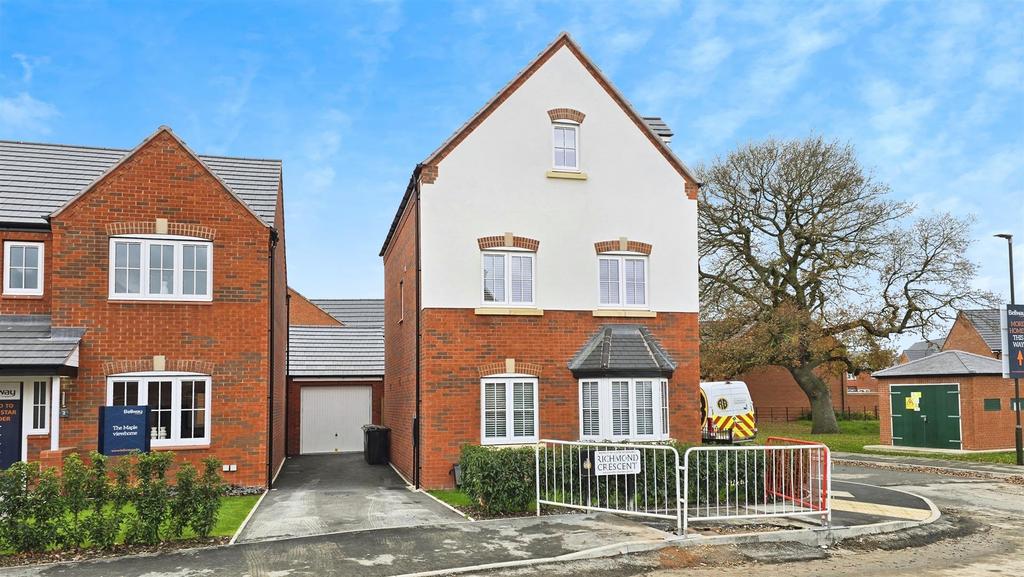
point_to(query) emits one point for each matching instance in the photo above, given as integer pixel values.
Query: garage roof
(622, 350)
(946, 363)
(354, 312)
(327, 351)
(29, 342)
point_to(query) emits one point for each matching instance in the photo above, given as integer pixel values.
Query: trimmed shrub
(151, 498)
(74, 487)
(500, 480)
(207, 499)
(184, 503)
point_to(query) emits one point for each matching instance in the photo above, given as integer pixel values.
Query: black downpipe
(419, 291)
(272, 244)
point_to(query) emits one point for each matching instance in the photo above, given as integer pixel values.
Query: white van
(727, 412)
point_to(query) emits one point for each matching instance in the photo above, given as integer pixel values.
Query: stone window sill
(628, 313)
(180, 447)
(510, 311)
(566, 175)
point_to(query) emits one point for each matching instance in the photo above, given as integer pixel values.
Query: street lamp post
(1018, 438)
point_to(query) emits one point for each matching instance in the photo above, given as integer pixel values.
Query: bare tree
(805, 263)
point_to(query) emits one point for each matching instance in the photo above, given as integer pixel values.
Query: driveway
(318, 494)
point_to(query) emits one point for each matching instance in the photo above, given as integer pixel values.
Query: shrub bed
(98, 503)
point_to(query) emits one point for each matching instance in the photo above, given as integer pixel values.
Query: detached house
(150, 276)
(541, 277)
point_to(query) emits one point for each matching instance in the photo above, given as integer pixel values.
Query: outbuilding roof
(622, 350)
(29, 342)
(37, 179)
(943, 364)
(354, 312)
(986, 322)
(326, 351)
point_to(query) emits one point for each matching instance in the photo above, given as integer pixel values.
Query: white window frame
(8, 289)
(659, 388)
(510, 438)
(563, 124)
(508, 254)
(29, 403)
(620, 258)
(174, 436)
(178, 242)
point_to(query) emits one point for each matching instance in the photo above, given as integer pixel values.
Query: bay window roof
(29, 344)
(622, 351)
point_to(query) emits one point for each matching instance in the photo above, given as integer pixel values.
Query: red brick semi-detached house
(335, 372)
(541, 277)
(149, 276)
(975, 331)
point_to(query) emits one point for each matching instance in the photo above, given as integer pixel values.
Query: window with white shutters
(622, 280)
(622, 409)
(508, 278)
(508, 410)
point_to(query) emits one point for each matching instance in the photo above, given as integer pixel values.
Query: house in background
(141, 277)
(778, 397)
(541, 277)
(975, 331)
(335, 372)
(920, 350)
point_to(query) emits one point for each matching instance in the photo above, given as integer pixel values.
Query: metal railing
(628, 479)
(748, 482)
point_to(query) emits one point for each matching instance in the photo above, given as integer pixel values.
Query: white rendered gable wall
(494, 182)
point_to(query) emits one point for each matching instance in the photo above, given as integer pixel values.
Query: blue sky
(352, 95)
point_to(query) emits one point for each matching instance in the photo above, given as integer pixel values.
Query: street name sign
(625, 462)
(1012, 321)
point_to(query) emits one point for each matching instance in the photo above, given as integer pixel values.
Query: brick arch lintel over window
(508, 240)
(622, 245)
(157, 363)
(566, 114)
(509, 366)
(161, 226)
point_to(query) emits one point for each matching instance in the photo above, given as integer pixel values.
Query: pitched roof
(922, 349)
(945, 363)
(566, 41)
(622, 350)
(324, 351)
(30, 341)
(354, 312)
(659, 127)
(986, 322)
(38, 179)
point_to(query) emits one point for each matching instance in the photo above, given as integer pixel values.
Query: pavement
(907, 461)
(318, 494)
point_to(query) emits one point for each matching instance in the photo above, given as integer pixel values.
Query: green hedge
(501, 481)
(93, 504)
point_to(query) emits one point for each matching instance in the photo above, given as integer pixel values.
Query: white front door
(332, 418)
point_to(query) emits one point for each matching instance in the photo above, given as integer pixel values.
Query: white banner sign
(10, 392)
(625, 462)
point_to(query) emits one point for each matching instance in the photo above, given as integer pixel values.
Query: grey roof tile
(325, 351)
(922, 349)
(986, 321)
(622, 350)
(945, 363)
(354, 312)
(659, 126)
(30, 341)
(37, 179)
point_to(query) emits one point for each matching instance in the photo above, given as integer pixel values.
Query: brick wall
(774, 390)
(399, 404)
(301, 312)
(964, 337)
(455, 342)
(162, 180)
(295, 405)
(27, 304)
(279, 341)
(980, 429)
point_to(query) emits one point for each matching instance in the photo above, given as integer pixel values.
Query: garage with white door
(335, 379)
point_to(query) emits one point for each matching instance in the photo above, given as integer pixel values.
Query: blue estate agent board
(123, 430)
(10, 424)
(1012, 322)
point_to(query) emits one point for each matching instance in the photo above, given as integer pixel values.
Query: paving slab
(317, 494)
(998, 469)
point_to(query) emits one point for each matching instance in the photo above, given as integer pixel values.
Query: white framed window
(507, 278)
(161, 268)
(508, 410)
(565, 146)
(620, 409)
(622, 281)
(38, 399)
(23, 268)
(179, 404)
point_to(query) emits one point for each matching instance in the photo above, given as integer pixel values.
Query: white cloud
(23, 113)
(28, 65)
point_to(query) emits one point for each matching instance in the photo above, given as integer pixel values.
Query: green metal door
(926, 416)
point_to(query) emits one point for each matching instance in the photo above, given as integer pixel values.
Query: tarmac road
(981, 533)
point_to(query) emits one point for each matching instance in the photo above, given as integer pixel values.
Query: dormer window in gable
(565, 147)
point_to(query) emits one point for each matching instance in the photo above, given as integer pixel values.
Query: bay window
(619, 409)
(507, 278)
(623, 281)
(508, 410)
(161, 268)
(179, 405)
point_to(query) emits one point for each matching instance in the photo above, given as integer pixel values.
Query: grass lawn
(453, 497)
(854, 435)
(233, 511)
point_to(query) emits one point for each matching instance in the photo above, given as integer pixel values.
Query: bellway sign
(1013, 341)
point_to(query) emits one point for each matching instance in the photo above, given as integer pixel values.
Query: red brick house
(150, 276)
(778, 397)
(975, 331)
(541, 277)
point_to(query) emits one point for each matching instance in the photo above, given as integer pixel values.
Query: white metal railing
(747, 482)
(628, 479)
